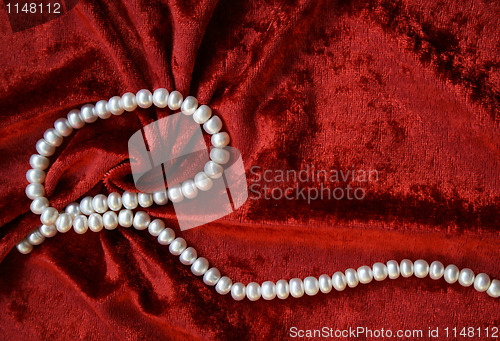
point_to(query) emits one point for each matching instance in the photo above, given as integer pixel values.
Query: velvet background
(410, 88)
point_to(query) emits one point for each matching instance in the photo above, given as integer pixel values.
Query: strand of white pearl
(116, 106)
(94, 206)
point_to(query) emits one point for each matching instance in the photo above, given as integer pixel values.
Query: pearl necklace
(98, 212)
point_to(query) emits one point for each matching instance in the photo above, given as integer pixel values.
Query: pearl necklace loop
(108, 212)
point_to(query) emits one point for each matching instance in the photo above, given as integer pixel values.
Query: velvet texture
(409, 88)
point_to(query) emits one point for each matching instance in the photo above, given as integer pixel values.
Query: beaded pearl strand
(108, 212)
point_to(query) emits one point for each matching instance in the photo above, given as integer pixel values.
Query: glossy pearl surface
(189, 105)
(436, 270)
(238, 291)
(451, 273)
(175, 100)
(393, 269)
(466, 277)
(420, 268)
(268, 290)
(200, 266)
(211, 277)
(351, 277)
(296, 287)
(160, 97)
(406, 268)
(128, 101)
(253, 291)
(224, 285)
(380, 271)
(141, 220)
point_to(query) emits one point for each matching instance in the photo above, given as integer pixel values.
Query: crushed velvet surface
(410, 88)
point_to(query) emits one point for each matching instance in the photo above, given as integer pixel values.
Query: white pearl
(141, 220)
(145, 199)
(466, 277)
(166, 236)
(125, 218)
(406, 268)
(174, 100)
(296, 287)
(75, 119)
(73, 209)
(482, 282)
(202, 181)
(128, 101)
(220, 139)
(311, 285)
(160, 197)
(64, 222)
(177, 246)
(351, 277)
(451, 273)
(24, 247)
(253, 291)
(114, 201)
(95, 222)
(48, 231)
(339, 280)
(494, 289)
(175, 193)
(129, 200)
(393, 269)
(219, 155)
(213, 125)
(44, 148)
(211, 277)
(282, 289)
(200, 266)
(86, 206)
(380, 271)
(188, 256)
(189, 190)
(88, 114)
(238, 291)
(365, 274)
(115, 105)
(100, 203)
(160, 97)
(436, 270)
(155, 227)
(110, 220)
(202, 114)
(224, 285)
(35, 176)
(268, 290)
(35, 237)
(420, 268)
(39, 162)
(35, 190)
(325, 284)
(101, 110)
(39, 204)
(144, 98)
(52, 137)
(63, 127)
(213, 170)
(49, 216)
(80, 224)
(189, 105)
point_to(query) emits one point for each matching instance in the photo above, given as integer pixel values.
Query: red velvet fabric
(410, 88)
